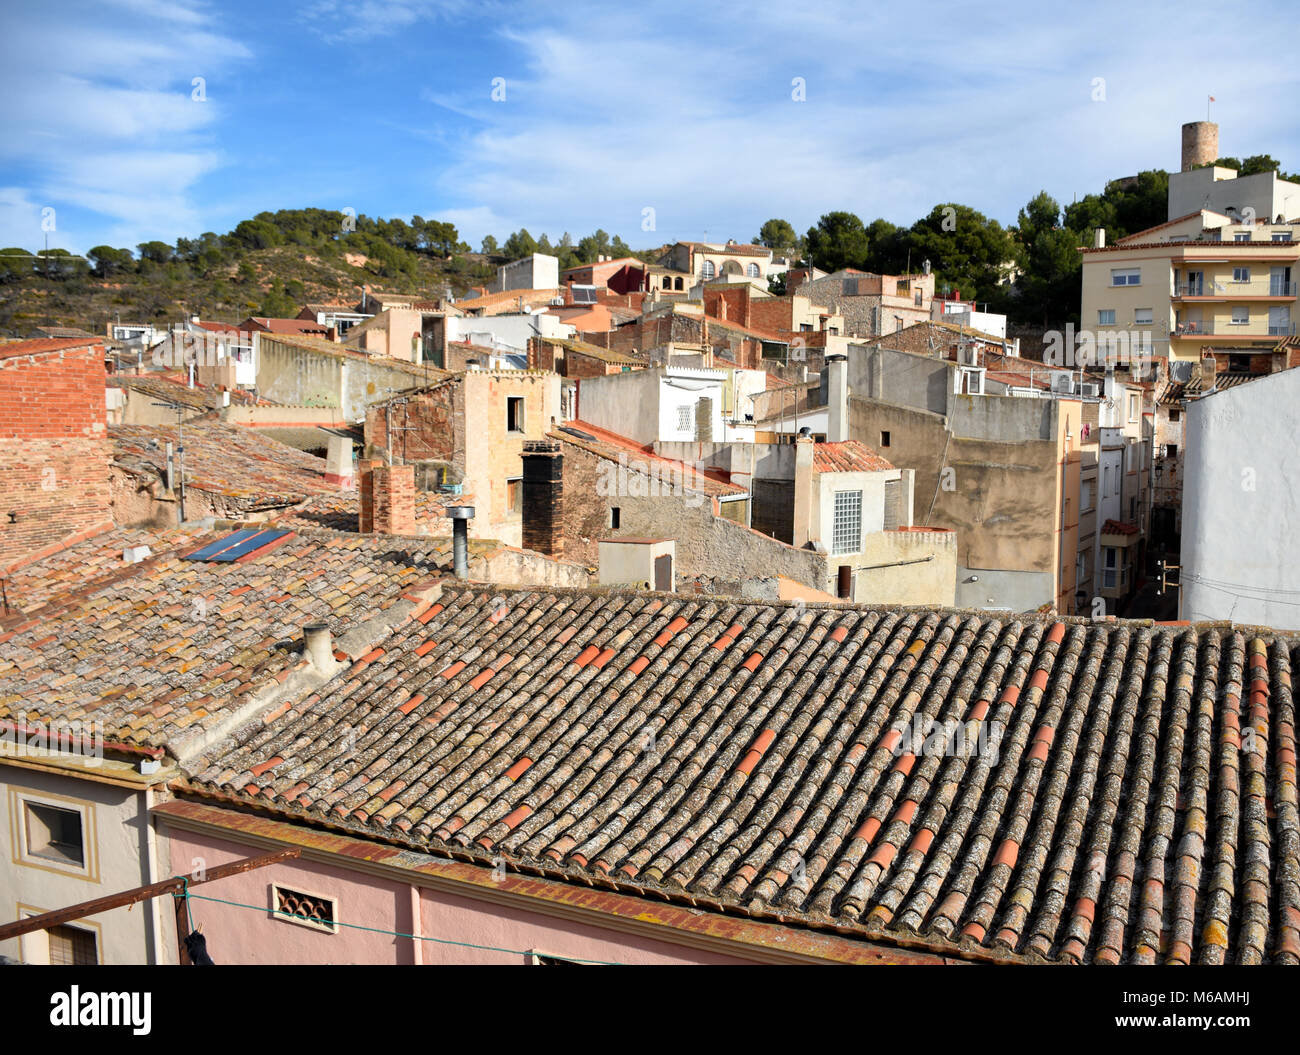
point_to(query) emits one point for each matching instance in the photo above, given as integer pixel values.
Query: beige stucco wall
(118, 850)
(492, 454)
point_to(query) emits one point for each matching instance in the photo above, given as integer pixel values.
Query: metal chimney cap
(460, 512)
(311, 628)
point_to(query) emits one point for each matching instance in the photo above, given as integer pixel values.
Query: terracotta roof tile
(797, 773)
(848, 456)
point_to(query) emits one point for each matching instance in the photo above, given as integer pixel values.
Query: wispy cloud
(120, 148)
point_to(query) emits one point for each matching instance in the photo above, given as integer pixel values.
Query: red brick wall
(54, 450)
(429, 414)
(392, 491)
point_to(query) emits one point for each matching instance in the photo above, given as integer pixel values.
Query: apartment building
(1203, 281)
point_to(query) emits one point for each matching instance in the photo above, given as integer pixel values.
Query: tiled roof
(42, 345)
(848, 456)
(63, 331)
(595, 351)
(509, 296)
(153, 648)
(1118, 527)
(339, 511)
(610, 445)
(159, 386)
(289, 325)
(1136, 235)
(1177, 391)
(226, 460)
(773, 760)
(732, 249)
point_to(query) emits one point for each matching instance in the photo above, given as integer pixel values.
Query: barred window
(846, 535)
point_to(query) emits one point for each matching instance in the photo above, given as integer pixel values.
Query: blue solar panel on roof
(213, 548)
(262, 538)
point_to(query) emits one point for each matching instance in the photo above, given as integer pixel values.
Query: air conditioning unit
(1062, 382)
(1090, 391)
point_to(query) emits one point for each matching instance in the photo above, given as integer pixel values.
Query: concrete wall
(1240, 505)
(506, 331)
(116, 838)
(311, 377)
(1219, 188)
(643, 404)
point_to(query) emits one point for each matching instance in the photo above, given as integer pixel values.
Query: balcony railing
(1285, 330)
(1226, 289)
(1192, 329)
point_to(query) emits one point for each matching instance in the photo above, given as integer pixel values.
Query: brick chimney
(543, 498)
(392, 499)
(365, 483)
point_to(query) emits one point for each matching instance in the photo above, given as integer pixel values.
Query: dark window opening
(514, 414)
(615, 517)
(884, 439)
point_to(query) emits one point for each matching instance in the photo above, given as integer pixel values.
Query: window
(708, 271)
(752, 270)
(846, 532)
(1241, 236)
(72, 946)
(1175, 414)
(1085, 495)
(306, 910)
(1142, 317)
(1106, 317)
(805, 327)
(1133, 406)
(1281, 236)
(1110, 574)
(1171, 450)
(54, 834)
(884, 439)
(514, 413)
(1241, 274)
(515, 494)
(1240, 316)
(615, 517)
(686, 419)
(1129, 276)
(541, 959)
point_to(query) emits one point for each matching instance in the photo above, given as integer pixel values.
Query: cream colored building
(1203, 281)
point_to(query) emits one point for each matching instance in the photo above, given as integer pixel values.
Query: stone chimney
(837, 398)
(338, 462)
(543, 498)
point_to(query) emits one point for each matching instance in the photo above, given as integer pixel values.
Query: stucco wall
(120, 855)
(247, 936)
(1240, 505)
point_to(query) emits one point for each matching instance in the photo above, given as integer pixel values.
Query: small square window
(514, 414)
(72, 946)
(1240, 316)
(884, 439)
(1241, 274)
(1241, 236)
(1142, 317)
(1174, 414)
(1106, 317)
(515, 495)
(55, 834)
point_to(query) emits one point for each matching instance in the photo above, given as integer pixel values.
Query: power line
(400, 934)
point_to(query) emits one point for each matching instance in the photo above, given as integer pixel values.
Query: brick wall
(543, 497)
(54, 450)
(392, 492)
(431, 417)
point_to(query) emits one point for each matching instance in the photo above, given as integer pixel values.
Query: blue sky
(385, 106)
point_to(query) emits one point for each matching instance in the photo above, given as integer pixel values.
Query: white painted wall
(1241, 505)
(507, 331)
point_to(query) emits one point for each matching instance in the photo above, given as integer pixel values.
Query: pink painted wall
(242, 936)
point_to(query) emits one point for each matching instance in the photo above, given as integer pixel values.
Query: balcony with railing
(1228, 289)
(1252, 330)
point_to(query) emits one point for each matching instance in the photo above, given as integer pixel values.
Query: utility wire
(394, 933)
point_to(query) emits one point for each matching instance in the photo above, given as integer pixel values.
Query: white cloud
(127, 142)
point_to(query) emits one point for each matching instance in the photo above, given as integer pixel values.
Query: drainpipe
(460, 517)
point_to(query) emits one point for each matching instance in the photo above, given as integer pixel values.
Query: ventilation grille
(308, 909)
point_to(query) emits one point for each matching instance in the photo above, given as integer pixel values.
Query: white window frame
(1138, 320)
(1241, 236)
(753, 270)
(1243, 320)
(708, 270)
(19, 798)
(838, 547)
(1126, 276)
(1105, 316)
(1240, 275)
